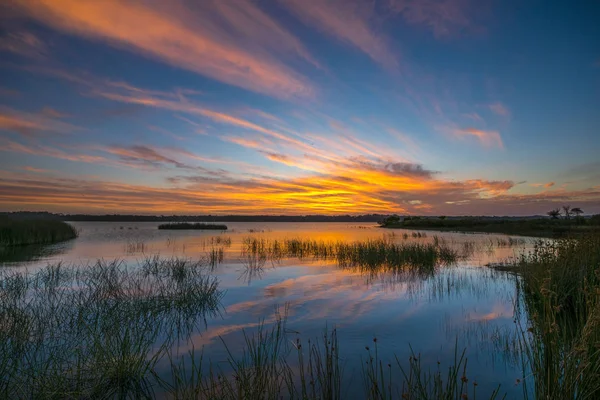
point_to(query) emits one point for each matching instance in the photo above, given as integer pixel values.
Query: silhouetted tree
(554, 214)
(567, 210)
(577, 211)
(391, 220)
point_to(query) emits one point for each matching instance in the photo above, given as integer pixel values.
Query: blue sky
(292, 107)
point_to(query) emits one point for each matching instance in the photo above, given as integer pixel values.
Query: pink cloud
(187, 38)
(500, 109)
(486, 138)
(350, 22)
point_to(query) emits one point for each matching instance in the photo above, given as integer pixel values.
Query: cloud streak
(188, 38)
(486, 138)
(349, 22)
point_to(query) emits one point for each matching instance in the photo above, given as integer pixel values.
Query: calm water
(468, 304)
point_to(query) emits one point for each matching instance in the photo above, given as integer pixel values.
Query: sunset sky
(430, 107)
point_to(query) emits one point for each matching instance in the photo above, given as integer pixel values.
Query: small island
(23, 232)
(191, 225)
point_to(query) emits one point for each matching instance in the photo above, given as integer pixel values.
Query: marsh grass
(96, 332)
(271, 365)
(192, 225)
(393, 380)
(560, 287)
(370, 255)
(16, 232)
(135, 246)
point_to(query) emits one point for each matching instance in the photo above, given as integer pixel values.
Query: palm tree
(567, 210)
(554, 214)
(577, 211)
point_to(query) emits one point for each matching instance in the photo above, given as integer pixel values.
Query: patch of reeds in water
(97, 332)
(192, 225)
(16, 232)
(364, 255)
(271, 365)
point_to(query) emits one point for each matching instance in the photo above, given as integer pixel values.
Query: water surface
(466, 305)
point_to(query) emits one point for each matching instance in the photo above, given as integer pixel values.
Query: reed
(15, 232)
(364, 255)
(99, 331)
(560, 292)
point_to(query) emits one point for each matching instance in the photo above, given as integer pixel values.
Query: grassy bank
(541, 227)
(191, 225)
(15, 232)
(560, 285)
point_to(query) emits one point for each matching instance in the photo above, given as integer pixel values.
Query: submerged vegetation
(21, 232)
(193, 225)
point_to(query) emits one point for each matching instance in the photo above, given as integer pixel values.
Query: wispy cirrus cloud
(348, 21)
(485, 137)
(23, 43)
(499, 109)
(28, 124)
(189, 38)
(443, 17)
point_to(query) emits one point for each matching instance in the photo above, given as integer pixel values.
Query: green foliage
(391, 220)
(19, 232)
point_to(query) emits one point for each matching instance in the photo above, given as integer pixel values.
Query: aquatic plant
(19, 232)
(364, 255)
(99, 331)
(560, 292)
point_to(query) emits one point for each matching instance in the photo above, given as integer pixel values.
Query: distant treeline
(194, 218)
(233, 218)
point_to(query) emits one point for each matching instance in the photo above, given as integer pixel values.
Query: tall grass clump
(97, 332)
(190, 225)
(370, 255)
(17, 232)
(561, 294)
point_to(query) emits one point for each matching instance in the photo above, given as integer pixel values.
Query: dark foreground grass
(193, 225)
(15, 232)
(96, 332)
(560, 285)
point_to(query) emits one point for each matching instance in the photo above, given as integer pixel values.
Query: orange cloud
(180, 36)
(487, 138)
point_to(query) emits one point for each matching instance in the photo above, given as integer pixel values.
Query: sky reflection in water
(467, 304)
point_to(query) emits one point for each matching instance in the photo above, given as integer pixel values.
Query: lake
(463, 305)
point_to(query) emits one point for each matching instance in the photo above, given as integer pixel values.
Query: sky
(429, 107)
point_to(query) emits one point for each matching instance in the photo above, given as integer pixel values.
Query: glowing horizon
(292, 107)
